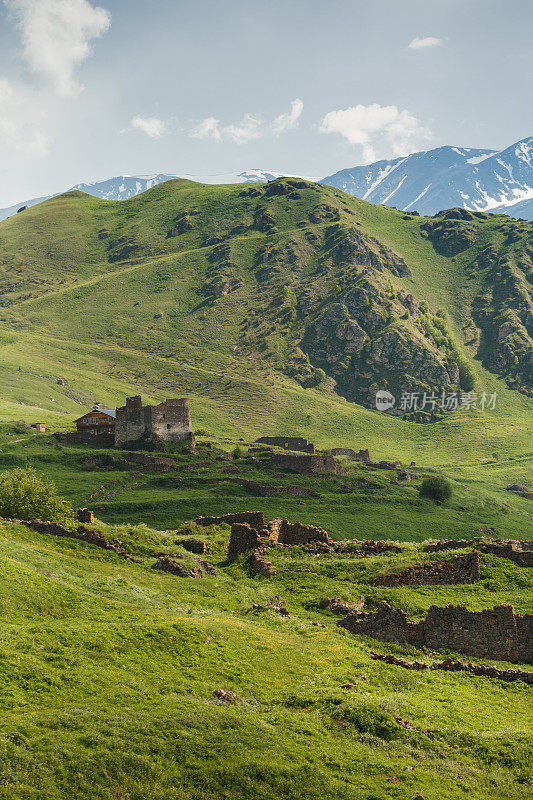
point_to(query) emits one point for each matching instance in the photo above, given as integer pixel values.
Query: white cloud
(419, 43)
(151, 126)
(250, 127)
(207, 128)
(246, 130)
(289, 120)
(18, 131)
(56, 35)
(368, 126)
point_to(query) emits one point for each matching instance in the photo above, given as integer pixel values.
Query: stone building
(170, 421)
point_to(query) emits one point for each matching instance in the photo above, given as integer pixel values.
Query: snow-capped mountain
(427, 182)
(122, 187)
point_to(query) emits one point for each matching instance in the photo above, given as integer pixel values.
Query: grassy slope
(95, 323)
(108, 671)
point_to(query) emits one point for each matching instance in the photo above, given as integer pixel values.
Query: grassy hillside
(117, 298)
(109, 669)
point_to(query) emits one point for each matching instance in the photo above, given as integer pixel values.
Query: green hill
(275, 308)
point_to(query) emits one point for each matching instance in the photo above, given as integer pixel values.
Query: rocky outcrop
(458, 569)
(493, 633)
(457, 665)
(449, 235)
(349, 244)
(182, 224)
(369, 339)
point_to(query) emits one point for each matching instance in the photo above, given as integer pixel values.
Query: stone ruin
(360, 455)
(169, 421)
(255, 519)
(316, 464)
(457, 665)
(167, 564)
(81, 533)
(496, 632)
(288, 443)
(521, 552)
(458, 569)
(341, 607)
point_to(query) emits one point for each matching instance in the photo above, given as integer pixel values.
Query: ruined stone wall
(521, 552)
(360, 455)
(261, 565)
(242, 539)
(492, 633)
(130, 424)
(317, 464)
(170, 420)
(294, 533)
(253, 518)
(83, 437)
(343, 451)
(457, 665)
(81, 533)
(288, 443)
(458, 569)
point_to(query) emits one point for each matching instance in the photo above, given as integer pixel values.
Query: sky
(90, 89)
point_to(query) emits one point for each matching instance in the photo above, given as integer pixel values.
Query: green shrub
(368, 718)
(319, 376)
(467, 376)
(436, 488)
(25, 495)
(238, 452)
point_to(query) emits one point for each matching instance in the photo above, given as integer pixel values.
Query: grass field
(109, 669)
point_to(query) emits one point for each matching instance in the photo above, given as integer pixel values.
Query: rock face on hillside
(503, 309)
(365, 344)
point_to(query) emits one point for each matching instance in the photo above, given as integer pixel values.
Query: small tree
(25, 495)
(436, 488)
(238, 452)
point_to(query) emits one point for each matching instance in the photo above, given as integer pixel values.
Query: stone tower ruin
(170, 421)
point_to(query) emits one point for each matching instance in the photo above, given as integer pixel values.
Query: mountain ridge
(479, 179)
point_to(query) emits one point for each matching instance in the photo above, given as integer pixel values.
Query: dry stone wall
(492, 633)
(521, 552)
(81, 533)
(253, 518)
(457, 665)
(317, 464)
(288, 443)
(458, 569)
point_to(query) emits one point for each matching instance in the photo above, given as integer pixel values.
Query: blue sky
(94, 89)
